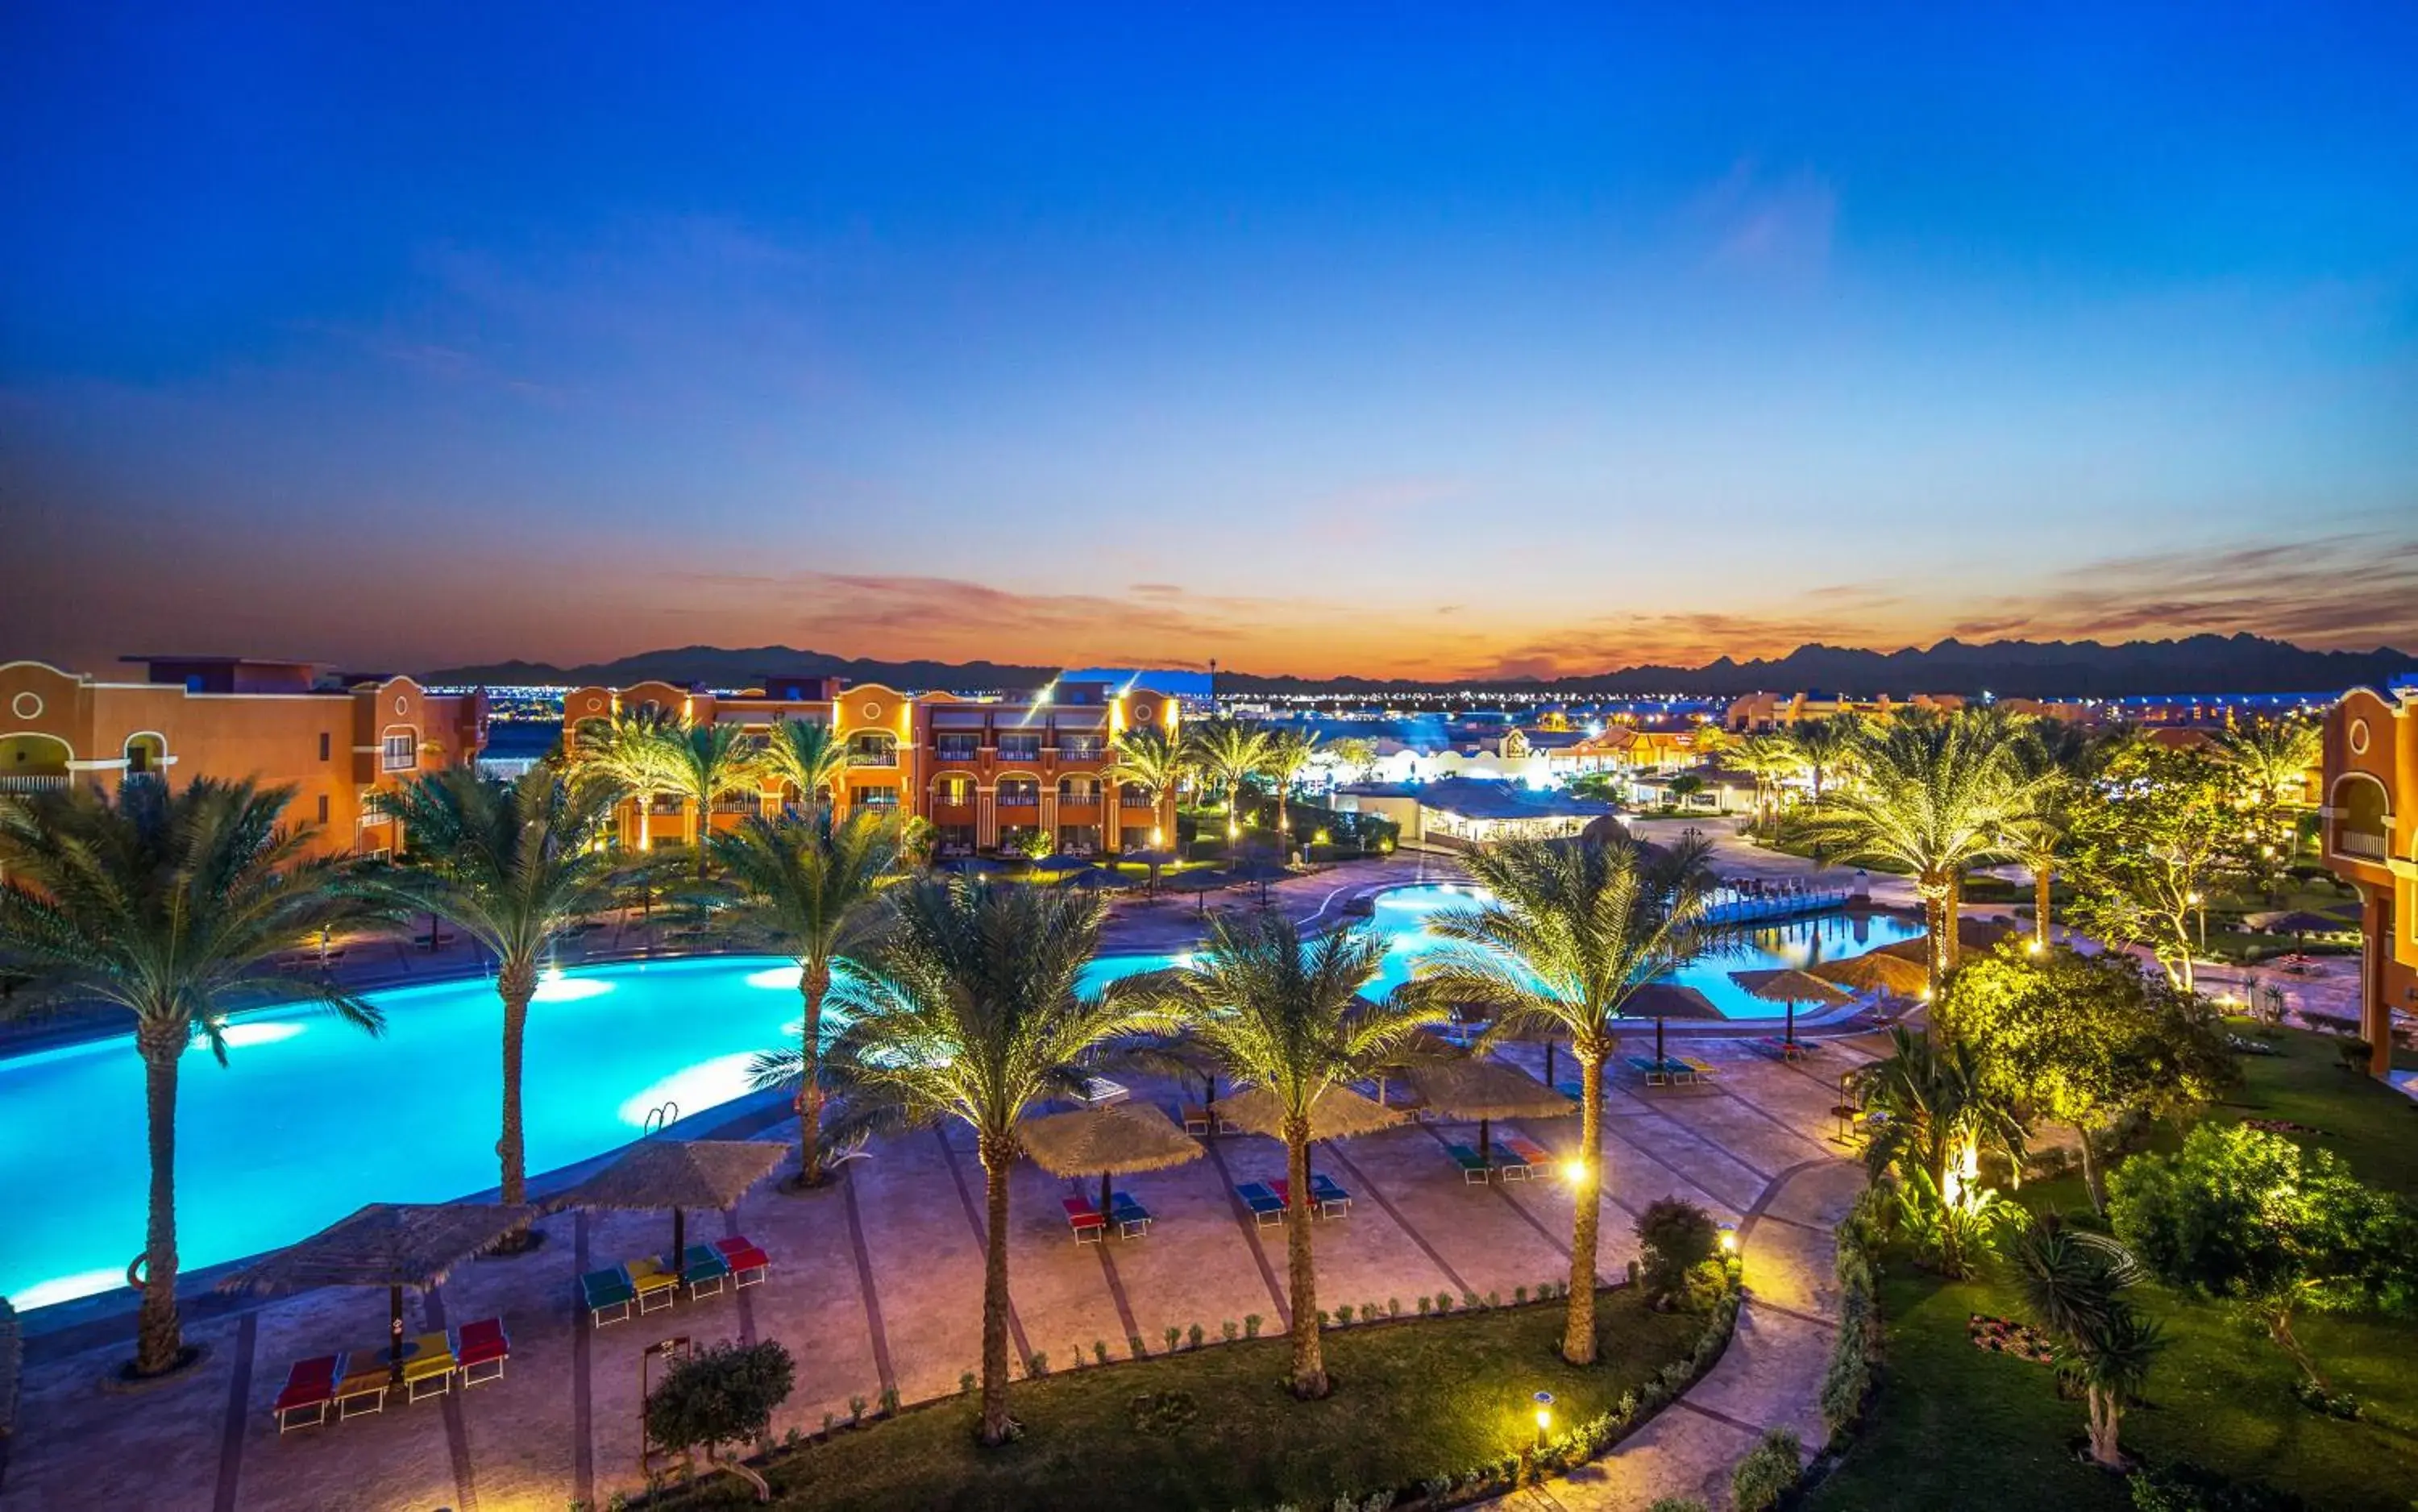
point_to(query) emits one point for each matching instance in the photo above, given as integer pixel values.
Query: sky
(1455, 340)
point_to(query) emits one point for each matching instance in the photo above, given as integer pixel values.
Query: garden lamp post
(1544, 1400)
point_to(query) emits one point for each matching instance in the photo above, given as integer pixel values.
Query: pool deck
(877, 1283)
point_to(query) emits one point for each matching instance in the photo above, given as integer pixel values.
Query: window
(1078, 790)
(1020, 792)
(324, 745)
(1085, 747)
(954, 839)
(874, 797)
(957, 792)
(323, 802)
(400, 751)
(958, 747)
(1019, 748)
(873, 749)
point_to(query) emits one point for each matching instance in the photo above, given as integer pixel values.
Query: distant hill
(2012, 668)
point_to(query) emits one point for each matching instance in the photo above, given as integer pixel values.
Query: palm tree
(1288, 1016)
(2053, 760)
(1230, 752)
(1288, 753)
(1824, 747)
(973, 1009)
(1943, 1113)
(1571, 932)
(709, 762)
(166, 905)
(809, 757)
(1151, 759)
(1767, 759)
(812, 891)
(2272, 759)
(633, 750)
(2072, 1282)
(515, 866)
(1938, 797)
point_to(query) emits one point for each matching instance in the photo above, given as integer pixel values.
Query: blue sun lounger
(1131, 1218)
(1473, 1169)
(608, 1290)
(1266, 1207)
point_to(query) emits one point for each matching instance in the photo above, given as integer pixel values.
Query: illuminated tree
(2158, 833)
(1230, 754)
(1288, 753)
(1826, 747)
(809, 757)
(167, 905)
(1149, 758)
(1944, 1112)
(709, 763)
(632, 751)
(2073, 1283)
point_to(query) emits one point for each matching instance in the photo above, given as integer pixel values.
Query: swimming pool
(311, 1118)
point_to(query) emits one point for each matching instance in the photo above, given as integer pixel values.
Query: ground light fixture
(1729, 1238)
(1574, 1172)
(1544, 1400)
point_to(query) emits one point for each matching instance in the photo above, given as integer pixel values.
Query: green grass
(1956, 1426)
(1413, 1398)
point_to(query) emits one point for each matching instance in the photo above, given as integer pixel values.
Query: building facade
(231, 718)
(989, 775)
(2371, 842)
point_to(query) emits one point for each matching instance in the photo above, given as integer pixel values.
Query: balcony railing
(957, 750)
(1019, 751)
(1137, 801)
(1008, 800)
(30, 782)
(873, 759)
(2361, 844)
(1081, 797)
(1081, 750)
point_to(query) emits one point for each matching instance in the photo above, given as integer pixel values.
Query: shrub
(1230, 1329)
(1193, 1336)
(831, 1420)
(1678, 1236)
(2184, 1487)
(1343, 1314)
(890, 1401)
(1250, 1325)
(1040, 1366)
(2354, 1054)
(965, 1388)
(1427, 1305)
(722, 1394)
(1444, 1302)
(1162, 1412)
(855, 1411)
(1768, 1473)
(1518, 1296)
(1100, 1350)
(1392, 1306)
(1134, 1345)
(1677, 1504)
(1175, 1335)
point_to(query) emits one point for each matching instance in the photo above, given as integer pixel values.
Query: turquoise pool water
(311, 1118)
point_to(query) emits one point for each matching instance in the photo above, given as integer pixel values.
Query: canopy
(1339, 1114)
(2302, 921)
(1971, 934)
(1150, 857)
(679, 1174)
(1097, 877)
(1660, 1001)
(1485, 1090)
(1877, 971)
(1790, 985)
(1122, 1138)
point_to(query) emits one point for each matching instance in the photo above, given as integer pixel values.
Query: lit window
(401, 753)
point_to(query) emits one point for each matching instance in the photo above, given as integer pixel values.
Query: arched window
(145, 756)
(2362, 816)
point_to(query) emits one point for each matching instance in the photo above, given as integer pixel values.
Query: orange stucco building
(986, 772)
(235, 717)
(2371, 842)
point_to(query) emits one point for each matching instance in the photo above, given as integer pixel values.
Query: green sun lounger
(608, 1295)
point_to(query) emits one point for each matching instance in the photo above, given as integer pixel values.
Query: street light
(1544, 1400)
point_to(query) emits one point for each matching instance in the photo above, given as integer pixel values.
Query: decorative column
(2375, 956)
(1112, 816)
(986, 817)
(1050, 809)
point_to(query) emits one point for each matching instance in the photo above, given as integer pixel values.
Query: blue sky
(1396, 339)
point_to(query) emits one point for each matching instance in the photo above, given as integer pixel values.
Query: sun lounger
(1333, 1200)
(362, 1389)
(1514, 1166)
(1131, 1218)
(310, 1390)
(480, 1351)
(1651, 1069)
(749, 1264)
(1699, 1070)
(1196, 1119)
(708, 1272)
(657, 1288)
(1266, 1205)
(429, 1372)
(608, 1294)
(1788, 1049)
(1085, 1220)
(1473, 1169)
(1532, 1156)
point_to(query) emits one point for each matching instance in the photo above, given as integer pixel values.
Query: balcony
(1078, 798)
(1019, 751)
(955, 750)
(1008, 799)
(1080, 750)
(873, 759)
(1138, 802)
(35, 782)
(2361, 844)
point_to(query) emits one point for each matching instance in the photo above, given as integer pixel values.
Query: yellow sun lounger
(429, 1372)
(657, 1288)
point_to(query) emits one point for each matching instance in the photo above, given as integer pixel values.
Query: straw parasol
(1128, 1137)
(1486, 1090)
(679, 1174)
(1200, 883)
(1791, 986)
(1877, 971)
(1099, 876)
(1660, 1001)
(1339, 1114)
(393, 1245)
(1971, 934)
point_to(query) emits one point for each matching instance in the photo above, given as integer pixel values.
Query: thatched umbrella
(1099, 876)
(1339, 1114)
(1791, 986)
(1971, 934)
(1128, 1137)
(1486, 1090)
(1152, 856)
(1061, 863)
(1200, 883)
(679, 1174)
(393, 1245)
(1877, 971)
(1660, 1001)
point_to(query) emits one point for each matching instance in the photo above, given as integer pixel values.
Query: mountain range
(2014, 668)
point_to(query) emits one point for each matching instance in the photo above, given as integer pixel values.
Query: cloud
(2346, 591)
(1781, 228)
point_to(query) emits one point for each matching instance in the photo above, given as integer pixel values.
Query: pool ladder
(660, 1117)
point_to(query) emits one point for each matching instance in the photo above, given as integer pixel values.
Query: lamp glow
(1575, 1172)
(1544, 1400)
(1729, 1240)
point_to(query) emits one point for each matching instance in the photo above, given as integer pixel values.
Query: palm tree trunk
(1309, 1350)
(2107, 1411)
(159, 1334)
(2039, 903)
(646, 819)
(812, 981)
(997, 1154)
(2093, 1184)
(515, 983)
(2279, 1328)
(1578, 1326)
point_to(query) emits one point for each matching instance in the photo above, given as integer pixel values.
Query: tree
(1149, 758)
(1937, 799)
(2269, 762)
(166, 904)
(1769, 759)
(2251, 1218)
(2056, 761)
(1230, 754)
(2073, 1282)
(1685, 787)
(1568, 936)
(632, 751)
(1354, 753)
(917, 838)
(1287, 1016)
(513, 866)
(2149, 847)
(1826, 747)
(2084, 1040)
(1288, 753)
(1944, 1112)
(724, 1393)
(805, 754)
(973, 1009)
(709, 762)
(810, 890)
(1675, 1236)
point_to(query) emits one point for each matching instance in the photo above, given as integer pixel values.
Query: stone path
(877, 1285)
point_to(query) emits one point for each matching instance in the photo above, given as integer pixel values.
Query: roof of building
(1476, 798)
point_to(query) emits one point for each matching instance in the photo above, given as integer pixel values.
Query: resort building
(1459, 810)
(989, 773)
(336, 742)
(1763, 711)
(2371, 842)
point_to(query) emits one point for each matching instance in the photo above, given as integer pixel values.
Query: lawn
(1412, 1399)
(1957, 1425)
